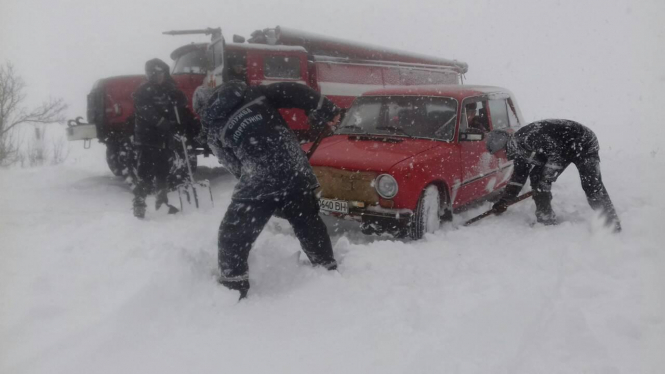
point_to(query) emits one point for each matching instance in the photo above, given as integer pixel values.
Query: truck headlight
(386, 186)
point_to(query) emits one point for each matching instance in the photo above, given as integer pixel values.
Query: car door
(476, 162)
(502, 117)
(215, 57)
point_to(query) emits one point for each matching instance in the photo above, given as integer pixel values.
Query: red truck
(340, 69)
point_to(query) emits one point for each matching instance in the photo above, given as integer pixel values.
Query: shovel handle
(492, 211)
(183, 140)
(325, 132)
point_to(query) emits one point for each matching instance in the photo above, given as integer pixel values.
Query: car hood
(367, 153)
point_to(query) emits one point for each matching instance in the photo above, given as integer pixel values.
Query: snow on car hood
(378, 153)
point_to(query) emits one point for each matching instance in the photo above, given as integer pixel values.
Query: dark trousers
(152, 170)
(592, 183)
(244, 221)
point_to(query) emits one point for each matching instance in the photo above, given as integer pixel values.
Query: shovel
(492, 211)
(184, 188)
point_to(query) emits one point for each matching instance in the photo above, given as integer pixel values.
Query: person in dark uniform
(250, 137)
(156, 124)
(541, 151)
(236, 69)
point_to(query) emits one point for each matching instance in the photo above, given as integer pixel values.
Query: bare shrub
(59, 151)
(13, 114)
(43, 150)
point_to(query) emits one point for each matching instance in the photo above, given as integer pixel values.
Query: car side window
(499, 114)
(281, 67)
(440, 119)
(474, 116)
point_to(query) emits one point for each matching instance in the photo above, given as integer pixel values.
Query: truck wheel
(120, 157)
(113, 159)
(427, 217)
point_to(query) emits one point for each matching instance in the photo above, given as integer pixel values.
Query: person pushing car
(541, 151)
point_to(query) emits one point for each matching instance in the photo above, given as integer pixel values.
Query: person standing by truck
(541, 151)
(250, 137)
(155, 128)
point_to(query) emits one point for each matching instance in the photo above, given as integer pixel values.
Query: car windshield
(407, 116)
(193, 62)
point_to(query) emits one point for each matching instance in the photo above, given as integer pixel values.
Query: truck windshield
(193, 62)
(408, 116)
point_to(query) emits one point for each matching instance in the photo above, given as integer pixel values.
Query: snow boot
(616, 227)
(546, 218)
(612, 221)
(139, 207)
(161, 199)
(544, 212)
(601, 202)
(241, 286)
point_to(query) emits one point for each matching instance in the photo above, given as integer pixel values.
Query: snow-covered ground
(87, 288)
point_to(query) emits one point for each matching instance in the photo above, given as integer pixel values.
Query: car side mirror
(472, 135)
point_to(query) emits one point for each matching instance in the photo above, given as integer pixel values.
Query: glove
(500, 206)
(201, 139)
(316, 121)
(178, 137)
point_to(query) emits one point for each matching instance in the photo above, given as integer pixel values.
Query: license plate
(336, 206)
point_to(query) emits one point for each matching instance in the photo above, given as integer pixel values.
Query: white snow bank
(87, 288)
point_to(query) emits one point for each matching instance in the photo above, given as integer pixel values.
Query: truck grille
(346, 185)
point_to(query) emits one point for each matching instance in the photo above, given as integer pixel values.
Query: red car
(406, 158)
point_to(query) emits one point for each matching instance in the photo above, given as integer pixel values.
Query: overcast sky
(599, 62)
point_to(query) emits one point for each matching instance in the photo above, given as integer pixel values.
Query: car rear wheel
(427, 217)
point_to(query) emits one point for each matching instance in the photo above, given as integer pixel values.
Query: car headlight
(386, 186)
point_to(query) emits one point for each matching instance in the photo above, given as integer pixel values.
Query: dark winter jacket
(250, 137)
(543, 149)
(156, 121)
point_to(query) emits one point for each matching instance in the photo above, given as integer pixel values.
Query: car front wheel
(427, 217)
